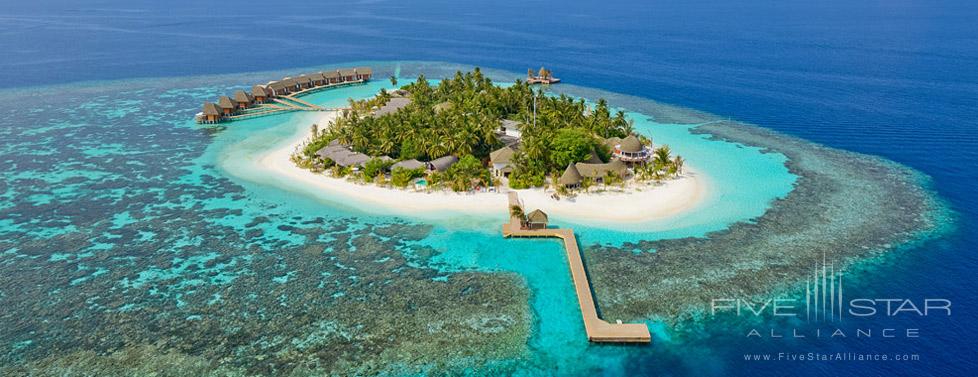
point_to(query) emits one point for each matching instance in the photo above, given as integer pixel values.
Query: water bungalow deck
(288, 101)
(597, 329)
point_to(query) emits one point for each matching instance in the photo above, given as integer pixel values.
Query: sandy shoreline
(634, 205)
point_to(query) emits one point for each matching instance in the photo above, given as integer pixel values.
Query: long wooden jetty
(598, 330)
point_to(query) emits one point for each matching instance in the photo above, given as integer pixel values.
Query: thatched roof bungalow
(442, 163)
(259, 93)
(537, 219)
(210, 113)
(409, 165)
(363, 73)
(392, 105)
(571, 177)
(243, 100)
(226, 104)
(501, 160)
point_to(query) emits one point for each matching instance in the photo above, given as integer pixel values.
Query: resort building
(571, 178)
(348, 74)
(631, 150)
(392, 105)
(243, 100)
(332, 77)
(544, 76)
(409, 165)
(501, 160)
(575, 174)
(510, 128)
(442, 163)
(210, 114)
(259, 94)
(363, 73)
(226, 104)
(536, 220)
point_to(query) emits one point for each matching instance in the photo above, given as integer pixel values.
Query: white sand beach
(633, 205)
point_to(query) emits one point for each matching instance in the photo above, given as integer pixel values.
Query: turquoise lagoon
(149, 220)
(743, 182)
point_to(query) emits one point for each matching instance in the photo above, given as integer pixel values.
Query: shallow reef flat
(845, 207)
(126, 253)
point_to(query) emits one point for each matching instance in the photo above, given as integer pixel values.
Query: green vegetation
(461, 117)
(401, 177)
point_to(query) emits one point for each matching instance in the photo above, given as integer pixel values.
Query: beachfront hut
(363, 73)
(348, 74)
(409, 165)
(211, 113)
(317, 79)
(630, 149)
(510, 128)
(226, 104)
(598, 172)
(242, 99)
(571, 177)
(442, 163)
(277, 88)
(536, 220)
(594, 159)
(303, 82)
(332, 77)
(259, 93)
(501, 160)
(290, 84)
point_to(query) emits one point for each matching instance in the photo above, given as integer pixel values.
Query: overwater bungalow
(536, 219)
(243, 100)
(363, 73)
(409, 165)
(442, 163)
(226, 104)
(501, 160)
(259, 94)
(348, 74)
(210, 114)
(332, 77)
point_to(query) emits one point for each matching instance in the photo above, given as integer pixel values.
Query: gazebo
(536, 220)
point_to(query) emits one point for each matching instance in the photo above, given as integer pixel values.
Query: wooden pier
(597, 329)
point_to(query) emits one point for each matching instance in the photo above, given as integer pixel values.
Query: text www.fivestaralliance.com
(839, 356)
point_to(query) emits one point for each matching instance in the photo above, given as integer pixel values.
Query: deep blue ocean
(897, 79)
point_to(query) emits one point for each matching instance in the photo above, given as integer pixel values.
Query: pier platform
(598, 330)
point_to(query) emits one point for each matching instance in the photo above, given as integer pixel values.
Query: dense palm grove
(460, 116)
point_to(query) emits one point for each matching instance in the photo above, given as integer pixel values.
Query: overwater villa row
(278, 96)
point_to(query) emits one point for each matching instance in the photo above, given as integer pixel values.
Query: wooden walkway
(597, 329)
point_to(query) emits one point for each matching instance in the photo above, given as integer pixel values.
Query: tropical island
(467, 134)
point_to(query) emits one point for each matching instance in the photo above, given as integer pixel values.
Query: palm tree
(678, 163)
(393, 80)
(662, 155)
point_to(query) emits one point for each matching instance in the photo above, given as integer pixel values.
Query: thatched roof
(571, 176)
(537, 216)
(364, 70)
(442, 163)
(211, 109)
(225, 102)
(347, 72)
(502, 155)
(259, 90)
(409, 164)
(594, 159)
(331, 74)
(242, 96)
(612, 142)
(601, 170)
(392, 105)
(631, 144)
